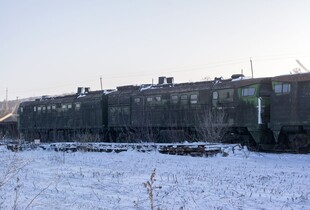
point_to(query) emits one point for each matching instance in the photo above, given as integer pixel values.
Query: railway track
(191, 149)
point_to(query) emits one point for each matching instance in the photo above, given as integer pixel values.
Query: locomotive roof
(292, 77)
(215, 84)
(240, 82)
(179, 87)
(218, 83)
(92, 95)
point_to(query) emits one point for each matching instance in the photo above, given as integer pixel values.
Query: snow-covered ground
(243, 180)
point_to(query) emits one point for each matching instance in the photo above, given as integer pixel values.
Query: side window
(77, 106)
(137, 100)
(286, 88)
(64, 107)
(184, 99)
(248, 91)
(149, 99)
(282, 88)
(215, 95)
(35, 109)
(174, 99)
(153, 100)
(278, 88)
(194, 99)
(158, 98)
(225, 95)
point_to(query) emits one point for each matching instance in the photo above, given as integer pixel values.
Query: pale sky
(50, 47)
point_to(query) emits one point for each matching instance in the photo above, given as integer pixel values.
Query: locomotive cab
(246, 105)
(290, 111)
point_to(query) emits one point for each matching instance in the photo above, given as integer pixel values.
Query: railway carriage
(290, 111)
(170, 111)
(64, 118)
(231, 110)
(163, 112)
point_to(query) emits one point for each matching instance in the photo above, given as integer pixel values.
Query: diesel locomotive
(271, 113)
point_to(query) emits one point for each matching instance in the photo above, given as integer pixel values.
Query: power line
(170, 70)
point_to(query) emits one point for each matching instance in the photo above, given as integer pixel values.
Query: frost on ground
(131, 180)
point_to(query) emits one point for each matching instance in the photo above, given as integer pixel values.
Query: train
(269, 113)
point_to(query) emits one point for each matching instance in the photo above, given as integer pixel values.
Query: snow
(146, 87)
(106, 92)
(241, 78)
(39, 179)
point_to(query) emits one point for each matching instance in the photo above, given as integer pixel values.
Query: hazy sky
(53, 46)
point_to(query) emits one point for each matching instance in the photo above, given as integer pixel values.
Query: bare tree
(12, 167)
(211, 125)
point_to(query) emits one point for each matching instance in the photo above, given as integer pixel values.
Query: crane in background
(302, 66)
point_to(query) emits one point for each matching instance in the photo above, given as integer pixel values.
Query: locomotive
(270, 113)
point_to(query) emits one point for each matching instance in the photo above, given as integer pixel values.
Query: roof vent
(162, 80)
(218, 78)
(170, 80)
(237, 76)
(80, 90)
(86, 90)
(83, 90)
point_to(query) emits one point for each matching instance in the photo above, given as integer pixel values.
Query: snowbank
(244, 180)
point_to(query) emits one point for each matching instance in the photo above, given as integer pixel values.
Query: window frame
(215, 95)
(157, 99)
(282, 88)
(193, 98)
(149, 99)
(174, 99)
(248, 91)
(137, 100)
(184, 99)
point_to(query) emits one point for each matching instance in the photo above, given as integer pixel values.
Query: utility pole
(101, 82)
(6, 100)
(251, 67)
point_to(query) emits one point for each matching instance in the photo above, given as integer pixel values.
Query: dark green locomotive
(268, 113)
(64, 118)
(230, 110)
(290, 112)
